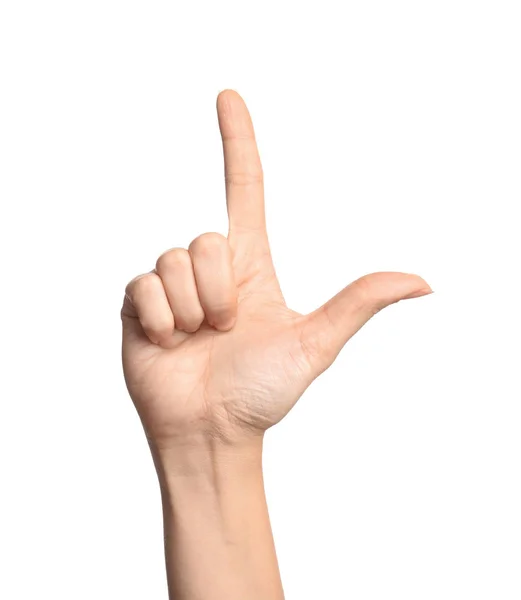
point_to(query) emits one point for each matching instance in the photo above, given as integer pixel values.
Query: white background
(390, 137)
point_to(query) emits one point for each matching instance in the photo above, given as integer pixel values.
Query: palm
(246, 377)
(213, 377)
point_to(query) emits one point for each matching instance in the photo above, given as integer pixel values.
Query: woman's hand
(210, 349)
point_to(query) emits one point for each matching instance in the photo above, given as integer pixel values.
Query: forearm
(218, 540)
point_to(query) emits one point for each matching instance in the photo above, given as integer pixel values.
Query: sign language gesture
(210, 349)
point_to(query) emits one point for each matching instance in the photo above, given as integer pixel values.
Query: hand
(210, 349)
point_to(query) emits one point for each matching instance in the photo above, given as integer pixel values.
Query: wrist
(216, 520)
(206, 462)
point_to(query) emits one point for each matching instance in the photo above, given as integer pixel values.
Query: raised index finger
(242, 167)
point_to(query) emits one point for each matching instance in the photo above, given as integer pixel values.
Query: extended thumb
(329, 327)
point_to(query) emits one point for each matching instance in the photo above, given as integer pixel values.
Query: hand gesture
(210, 349)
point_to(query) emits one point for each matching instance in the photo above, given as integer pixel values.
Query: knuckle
(140, 284)
(172, 259)
(207, 243)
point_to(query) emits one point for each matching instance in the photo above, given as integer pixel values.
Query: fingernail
(419, 294)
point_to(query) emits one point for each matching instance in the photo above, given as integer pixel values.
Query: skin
(212, 358)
